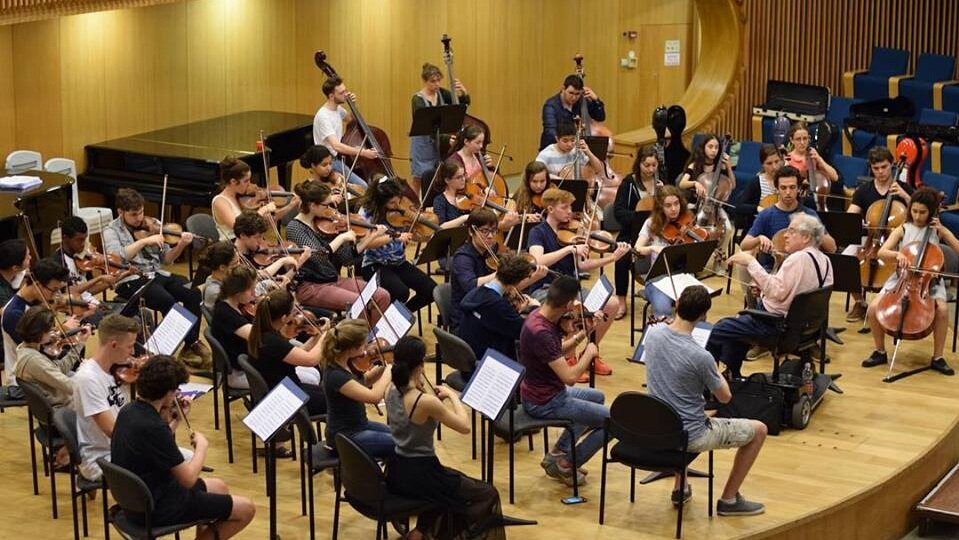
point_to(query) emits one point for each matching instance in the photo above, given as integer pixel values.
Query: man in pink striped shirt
(805, 268)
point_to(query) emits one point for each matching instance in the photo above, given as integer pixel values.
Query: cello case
(676, 153)
(916, 151)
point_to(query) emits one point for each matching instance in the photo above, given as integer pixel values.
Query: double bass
(469, 119)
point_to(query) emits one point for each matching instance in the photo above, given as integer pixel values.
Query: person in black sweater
(490, 320)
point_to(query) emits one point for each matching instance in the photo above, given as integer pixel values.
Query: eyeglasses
(487, 231)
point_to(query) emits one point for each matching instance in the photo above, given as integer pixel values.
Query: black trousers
(398, 279)
(163, 293)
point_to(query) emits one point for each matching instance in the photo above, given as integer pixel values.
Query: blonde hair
(553, 196)
(347, 334)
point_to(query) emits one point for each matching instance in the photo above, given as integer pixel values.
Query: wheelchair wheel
(801, 412)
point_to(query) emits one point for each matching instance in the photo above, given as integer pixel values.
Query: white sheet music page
(393, 325)
(356, 310)
(169, 335)
(491, 386)
(275, 409)
(598, 295)
(680, 282)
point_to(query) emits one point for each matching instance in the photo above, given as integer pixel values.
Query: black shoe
(940, 365)
(687, 495)
(875, 359)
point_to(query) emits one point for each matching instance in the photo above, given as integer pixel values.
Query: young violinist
(235, 186)
(144, 443)
(14, 262)
(923, 214)
(33, 365)
(490, 317)
(465, 507)
(469, 148)
(798, 135)
(319, 276)
(545, 247)
(249, 229)
(563, 153)
(469, 267)
(98, 394)
(564, 107)
(881, 165)
(212, 268)
(46, 279)
(349, 389)
(328, 128)
(318, 161)
(386, 255)
(132, 237)
(231, 321)
(276, 357)
(640, 184)
(528, 198)
(423, 153)
(452, 179)
(73, 245)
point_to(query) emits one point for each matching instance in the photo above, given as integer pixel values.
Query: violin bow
(582, 317)
(176, 401)
(419, 208)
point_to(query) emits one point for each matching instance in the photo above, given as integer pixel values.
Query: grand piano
(188, 154)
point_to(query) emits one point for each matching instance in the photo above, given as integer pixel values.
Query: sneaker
(940, 365)
(601, 367)
(857, 313)
(237, 380)
(876, 359)
(197, 356)
(687, 495)
(756, 353)
(553, 469)
(741, 507)
(584, 376)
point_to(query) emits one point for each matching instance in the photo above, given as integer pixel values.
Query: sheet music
(492, 384)
(274, 410)
(359, 306)
(394, 324)
(598, 295)
(173, 329)
(700, 335)
(193, 390)
(680, 282)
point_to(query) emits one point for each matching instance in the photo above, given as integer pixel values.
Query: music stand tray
(845, 271)
(683, 258)
(579, 189)
(442, 244)
(133, 303)
(599, 146)
(440, 119)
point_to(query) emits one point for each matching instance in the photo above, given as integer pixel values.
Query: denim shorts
(723, 433)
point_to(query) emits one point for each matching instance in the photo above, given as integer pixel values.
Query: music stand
(579, 189)
(433, 121)
(599, 146)
(513, 235)
(682, 258)
(844, 227)
(132, 306)
(442, 244)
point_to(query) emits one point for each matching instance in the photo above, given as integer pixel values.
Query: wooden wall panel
(844, 33)
(37, 86)
(19, 11)
(8, 115)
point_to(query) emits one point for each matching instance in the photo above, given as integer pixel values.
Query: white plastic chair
(20, 161)
(95, 217)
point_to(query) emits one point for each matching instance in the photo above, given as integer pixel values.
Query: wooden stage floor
(863, 443)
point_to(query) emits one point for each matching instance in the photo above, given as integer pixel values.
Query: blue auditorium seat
(874, 82)
(945, 183)
(850, 169)
(950, 98)
(748, 163)
(950, 160)
(930, 68)
(837, 113)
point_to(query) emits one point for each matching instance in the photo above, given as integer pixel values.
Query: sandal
(620, 314)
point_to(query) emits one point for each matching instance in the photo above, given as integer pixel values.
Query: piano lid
(788, 97)
(212, 139)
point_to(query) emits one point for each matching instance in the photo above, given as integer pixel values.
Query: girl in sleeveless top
(235, 178)
(318, 161)
(468, 147)
(468, 508)
(923, 211)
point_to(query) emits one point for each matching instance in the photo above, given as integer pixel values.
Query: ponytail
(215, 256)
(407, 356)
(347, 334)
(270, 308)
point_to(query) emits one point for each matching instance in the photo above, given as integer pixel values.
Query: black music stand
(513, 236)
(443, 243)
(599, 146)
(434, 121)
(844, 227)
(579, 189)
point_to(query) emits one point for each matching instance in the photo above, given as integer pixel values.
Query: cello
(882, 217)
(659, 126)
(469, 119)
(907, 310)
(720, 187)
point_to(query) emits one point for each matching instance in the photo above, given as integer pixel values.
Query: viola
(882, 217)
(907, 310)
(684, 230)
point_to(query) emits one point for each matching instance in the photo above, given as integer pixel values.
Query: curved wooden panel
(18, 11)
(717, 75)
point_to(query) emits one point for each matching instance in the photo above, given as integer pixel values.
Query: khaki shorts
(724, 433)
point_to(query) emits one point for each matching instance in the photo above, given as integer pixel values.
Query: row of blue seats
(932, 86)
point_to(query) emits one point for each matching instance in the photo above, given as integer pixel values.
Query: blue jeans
(342, 166)
(376, 440)
(584, 407)
(731, 338)
(661, 303)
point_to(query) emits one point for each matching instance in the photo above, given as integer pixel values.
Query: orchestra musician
(881, 165)
(318, 161)
(349, 389)
(529, 195)
(33, 365)
(387, 256)
(248, 230)
(73, 244)
(148, 252)
(640, 184)
(804, 268)
(563, 153)
(565, 106)
(751, 201)
(704, 159)
(424, 156)
(14, 263)
(320, 284)
(212, 268)
(235, 178)
(545, 247)
(232, 320)
(328, 128)
(469, 145)
(465, 507)
(923, 213)
(143, 442)
(798, 135)
(451, 178)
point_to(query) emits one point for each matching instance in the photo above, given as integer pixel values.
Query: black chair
(650, 437)
(202, 225)
(132, 495)
(8, 400)
(317, 458)
(221, 364)
(457, 354)
(364, 489)
(443, 296)
(258, 390)
(39, 407)
(65, 420)
(216, 374)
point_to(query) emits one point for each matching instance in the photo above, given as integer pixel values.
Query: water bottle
(807, 379)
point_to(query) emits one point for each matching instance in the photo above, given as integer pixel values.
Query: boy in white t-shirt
(328, 129)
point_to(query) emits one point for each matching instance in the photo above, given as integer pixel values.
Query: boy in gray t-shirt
(677, 372)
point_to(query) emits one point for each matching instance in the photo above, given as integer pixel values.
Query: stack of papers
(19, 183)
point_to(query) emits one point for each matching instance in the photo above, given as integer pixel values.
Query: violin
(684, 230)
(907, 310)
(304, 322)
(377, 353)
(578, 318)
(172, 232)
(882, 217)
(256, 197)
(720, 187)
(329, 221)
(72, 305)
(405, 217)
(111, 264)
(62, 339)
(266, 255)
(128, 372)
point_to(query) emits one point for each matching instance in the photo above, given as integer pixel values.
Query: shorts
(197, 505)
(723, 433)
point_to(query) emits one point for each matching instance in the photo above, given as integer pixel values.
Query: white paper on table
(19, 183)
(168, 337)
(491, 385)
(359, 306)
(680, 282)
(275, 409)
(598, 295)
(394, 324)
